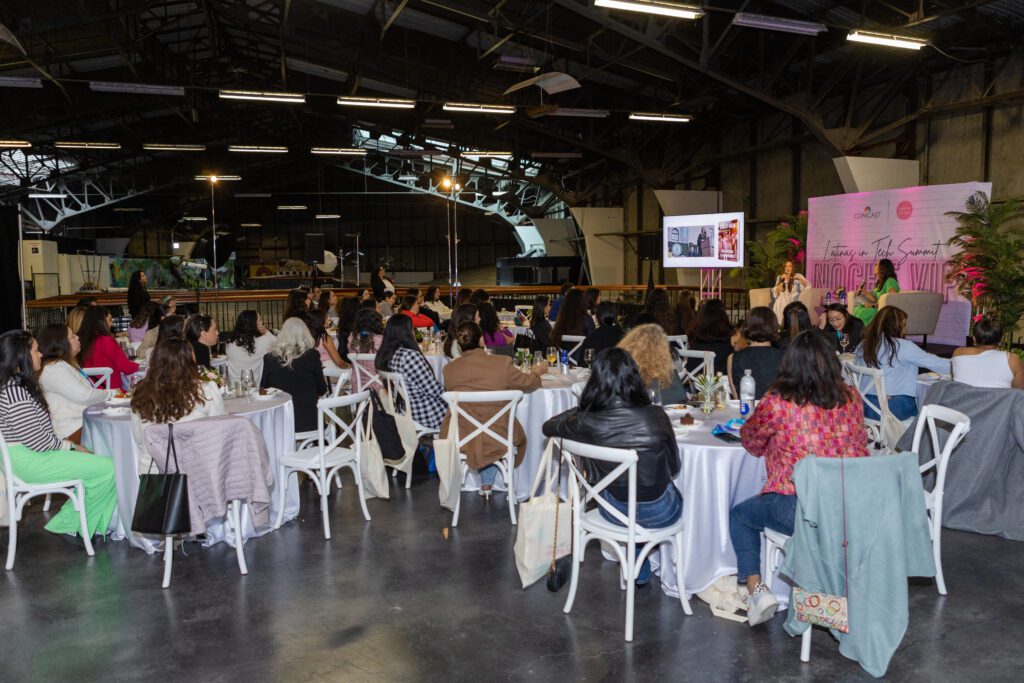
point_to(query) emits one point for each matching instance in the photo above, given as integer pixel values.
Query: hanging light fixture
(479, 108)
(660, 7)
(87, 145)
(340, 151)
(257, 149)
(163, 147)
(382, 102)
(886, 39)
(286, 97)
(15, 144)
(665, 118)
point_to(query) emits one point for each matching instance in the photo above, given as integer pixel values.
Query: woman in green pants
(885, 281)
(38, 455)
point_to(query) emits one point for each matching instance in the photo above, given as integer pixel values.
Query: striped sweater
(23, 420)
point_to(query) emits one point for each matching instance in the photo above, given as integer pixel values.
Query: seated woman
(411, 309)
(789, 285)
(836, 322)
(809, 410)
(539, 324)
(464, 313)
(607, 335)
(660, 308)
(496, 335)
(616, 411)
(140, 323)
(325, 346)
(297, 305)
(648, 345)
(171, 392)
(38, 455)
(293, 365)
(866, 306)
(100, 349)
(795, 319)
(387, 304)
(985, 364)
(476, 370)
(400, 353)
(67, 391)
(201, 332)
(899, 359)
(347, 309)
(573, 319)
(327, 303)
(247, 344)
(152, 330)
(760, 330)
(432, 300)
(712, 331)
(367, 335)
(75, 317)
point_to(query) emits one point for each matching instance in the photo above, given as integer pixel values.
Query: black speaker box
(314, 248)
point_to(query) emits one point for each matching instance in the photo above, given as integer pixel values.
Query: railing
(225, 305)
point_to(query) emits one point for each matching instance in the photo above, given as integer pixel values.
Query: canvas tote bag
(449, 466)
(535, 534)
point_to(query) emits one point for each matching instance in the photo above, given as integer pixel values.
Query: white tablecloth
(113, 435)
(437, 362)
(923, 385)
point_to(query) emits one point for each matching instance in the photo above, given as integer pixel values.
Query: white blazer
(239, 359)
(68, 393)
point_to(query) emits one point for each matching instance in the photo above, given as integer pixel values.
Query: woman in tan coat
(475, 370)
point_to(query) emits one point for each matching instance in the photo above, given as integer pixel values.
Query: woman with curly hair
(660, 308)
(496, 335)
(172, 392)
(247, 344)
(648, 345)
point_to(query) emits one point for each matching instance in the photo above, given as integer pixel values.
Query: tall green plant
(787, 241)
(989, 268)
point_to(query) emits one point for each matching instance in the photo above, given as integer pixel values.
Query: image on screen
(704, 241)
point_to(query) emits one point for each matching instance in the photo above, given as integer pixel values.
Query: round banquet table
(924, 383)
(112, 435)
(715, 475)
(553, 397)
(437, 362)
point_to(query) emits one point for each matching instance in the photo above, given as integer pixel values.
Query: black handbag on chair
(385, 430)
(162, 505)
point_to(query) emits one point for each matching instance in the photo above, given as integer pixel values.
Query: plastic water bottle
(748, 390)
(828, 298)
(563, 362)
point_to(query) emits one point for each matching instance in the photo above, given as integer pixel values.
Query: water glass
(248, 380)
(588, 357)
(844, 341)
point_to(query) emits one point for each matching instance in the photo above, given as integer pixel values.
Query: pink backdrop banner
(848, 233)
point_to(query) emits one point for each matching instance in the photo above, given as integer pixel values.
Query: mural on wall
(173, 273)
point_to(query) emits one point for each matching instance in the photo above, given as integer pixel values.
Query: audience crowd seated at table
(139, 325)
(712, 331)
(100, 349)
(615, 410)
(411, 309)
(325, 346)
(172, 391)
(293, 366)
(661, 311)
(573, 320)
(388, 304)
(400, 353)
(838, 321)
(985, 364)
(423, 309)
(247, 344)
(464, 313)
(608, 333)
(866, 302)
(38, 455)
(138, 295)
(760, 356)
(649, 347)
(75, 317)
(152, 330)
(476, 370)
(883, 347)
(432, 300)
(496, 335)
(366, 338)
(297, 304)
(67, 391)
(808, 410)
(540, 326)
(202, 333)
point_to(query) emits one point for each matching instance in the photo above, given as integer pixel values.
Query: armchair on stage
(811, 297)
(922, 309)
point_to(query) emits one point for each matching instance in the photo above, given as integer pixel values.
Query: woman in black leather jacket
(615, 410)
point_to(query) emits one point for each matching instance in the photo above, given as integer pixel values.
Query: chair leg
(46, 503)
(940, 580)
(323, 510)
(168, 559)
(282, 483)
(357, 470)
(677, 546)
(79, 502)
(458, 502)
(805, 644)
(12, 541)
(236, 514)
(510, 485)
(408, 478)
(630, 571)
(577, 560)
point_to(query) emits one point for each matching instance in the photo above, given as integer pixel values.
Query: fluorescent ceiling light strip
(327, 216)
(20, 82)
(251, 195)
(198, 219)
(257, 149)
(129, 209)
(20, 144)
(137, 88)
(162, 147)
(292, 207)
(651, 116)
(887, 39)
(250, 225)
(479, 108)
(665, 9)
(762, 21)
(382, 102)
(217, 177)
(342, 151)
(288, 97)
(43, 195)
(87, 145)
(581, 113)
(488, 155)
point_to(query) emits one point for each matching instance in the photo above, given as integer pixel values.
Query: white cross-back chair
(19, 492)
(506, 402)
(577, 342)
(363, 379)
(774, 549)
(397, 392)
(959, 424)
(870, 385)
(340, 377)
(338, 445)
(100, 377)
(590, 525)
(678, 342)
(705, 367)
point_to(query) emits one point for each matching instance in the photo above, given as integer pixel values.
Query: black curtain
(10, 286)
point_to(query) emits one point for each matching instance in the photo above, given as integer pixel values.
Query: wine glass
(588, 357)
(249, 384)
(538, 358)
(552, 355)
(844, 340)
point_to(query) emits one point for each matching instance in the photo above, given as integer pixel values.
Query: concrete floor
(393, 599)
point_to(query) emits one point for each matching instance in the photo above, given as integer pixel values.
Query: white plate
(119, 401)
(267, 397)
(116, 411)
(697, 424)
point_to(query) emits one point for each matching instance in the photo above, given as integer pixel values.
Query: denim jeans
(488, 475)
(661, 512)
(751, 517)
(903, 407)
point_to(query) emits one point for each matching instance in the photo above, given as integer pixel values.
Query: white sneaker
(761, 605)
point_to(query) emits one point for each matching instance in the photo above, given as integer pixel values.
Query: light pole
(356, 235)
(213, 179)
(452, 214)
